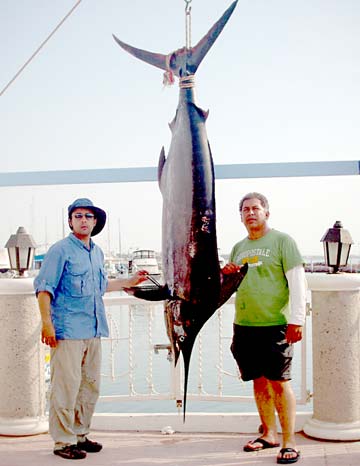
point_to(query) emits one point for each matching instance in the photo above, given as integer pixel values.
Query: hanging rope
(39, 48)
(168, 77)
(188, 24)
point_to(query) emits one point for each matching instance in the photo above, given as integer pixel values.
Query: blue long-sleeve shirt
(76, 280)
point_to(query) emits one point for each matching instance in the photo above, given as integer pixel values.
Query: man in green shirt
(269, 318)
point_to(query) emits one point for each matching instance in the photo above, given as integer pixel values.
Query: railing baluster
(221, 353)
(131, 359)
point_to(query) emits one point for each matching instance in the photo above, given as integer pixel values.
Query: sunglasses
(87, 216)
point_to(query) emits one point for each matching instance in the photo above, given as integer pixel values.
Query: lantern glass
(24, 258)
(331, 253)
(344, 256)
(12, 258)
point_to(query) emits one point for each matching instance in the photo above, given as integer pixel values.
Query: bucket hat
(85, 203)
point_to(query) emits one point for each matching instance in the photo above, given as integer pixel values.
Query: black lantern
(337, 244)
(21, 249)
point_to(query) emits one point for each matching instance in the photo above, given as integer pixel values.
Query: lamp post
(22, 375)
(21, 249)
(335, 303)
(337, 243)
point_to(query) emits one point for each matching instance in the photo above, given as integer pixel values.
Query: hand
(231, 268)
(48, 335)
(137, 278)
(293, 333)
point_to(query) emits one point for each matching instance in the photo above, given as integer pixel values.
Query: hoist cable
(188, 24)
(39, 48)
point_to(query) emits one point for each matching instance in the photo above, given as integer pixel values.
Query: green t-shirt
(262, 299)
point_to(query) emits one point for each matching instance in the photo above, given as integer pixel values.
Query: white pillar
(336, 356)
(22, 374)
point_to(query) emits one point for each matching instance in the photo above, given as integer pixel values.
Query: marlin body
(194, 284)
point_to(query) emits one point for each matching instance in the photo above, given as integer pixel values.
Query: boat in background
(145, 259)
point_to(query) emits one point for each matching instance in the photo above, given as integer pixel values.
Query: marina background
(281, 84)
(303, 207)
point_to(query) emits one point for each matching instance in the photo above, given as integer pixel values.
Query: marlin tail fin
(182, 62)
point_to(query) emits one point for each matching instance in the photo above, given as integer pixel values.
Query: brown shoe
(70, 452)
(89, 446)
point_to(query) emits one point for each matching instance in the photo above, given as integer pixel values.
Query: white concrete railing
(22, 376)
(22, 381)
(126, 360)
(124, 342)
(335, 348)
(336, 356)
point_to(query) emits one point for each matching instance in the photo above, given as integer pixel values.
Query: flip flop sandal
(264, 444)
(282, 460)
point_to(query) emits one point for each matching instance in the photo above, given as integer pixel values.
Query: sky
(281, 84)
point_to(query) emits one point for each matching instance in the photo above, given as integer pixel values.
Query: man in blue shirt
(69, 288)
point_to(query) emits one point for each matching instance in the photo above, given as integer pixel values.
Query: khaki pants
(75, 387)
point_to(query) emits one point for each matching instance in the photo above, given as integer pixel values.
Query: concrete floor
(179, 449)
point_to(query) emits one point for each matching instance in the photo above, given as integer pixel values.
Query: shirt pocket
(78, 282)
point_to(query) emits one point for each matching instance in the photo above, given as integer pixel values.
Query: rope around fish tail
(187, 82)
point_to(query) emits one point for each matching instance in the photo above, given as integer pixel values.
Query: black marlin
(194, 284)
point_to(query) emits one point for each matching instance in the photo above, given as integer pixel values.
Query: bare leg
(264, 397)
(285, 403)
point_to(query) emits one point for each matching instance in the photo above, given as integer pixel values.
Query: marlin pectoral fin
(149, 292)
(230, 283)
(162, 160)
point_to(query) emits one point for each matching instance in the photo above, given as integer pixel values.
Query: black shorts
(262, 352)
